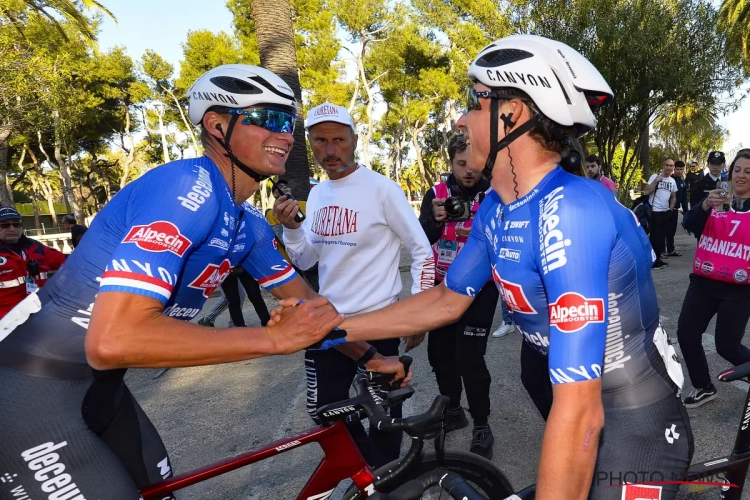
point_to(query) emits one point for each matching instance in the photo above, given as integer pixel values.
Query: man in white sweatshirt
(355, 224)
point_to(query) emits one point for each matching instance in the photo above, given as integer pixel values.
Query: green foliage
(204, 50)
(734, 19)
(653, 53)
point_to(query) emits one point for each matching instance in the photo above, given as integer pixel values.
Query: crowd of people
(504, 227)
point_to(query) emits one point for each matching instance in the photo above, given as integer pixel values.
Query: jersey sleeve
(264, 262)
(472, 268)
(165, 216)
(573, 261)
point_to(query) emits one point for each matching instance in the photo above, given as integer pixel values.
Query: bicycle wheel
(482, 474)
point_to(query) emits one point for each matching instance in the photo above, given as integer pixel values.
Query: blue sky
(162, 25)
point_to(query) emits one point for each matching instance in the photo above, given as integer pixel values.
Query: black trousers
(535, 379)
(674, 215)
(329, 376)
(232, 291)
(659, 229)
(456, 354)
(731, 305)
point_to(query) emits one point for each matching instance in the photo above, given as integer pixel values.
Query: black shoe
(205, 322)
(455, 419)
(674, 253)
(659, 265)
(482, 441)
(700, 396)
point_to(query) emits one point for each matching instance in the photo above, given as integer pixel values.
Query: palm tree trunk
(274, 29)
(6, 198)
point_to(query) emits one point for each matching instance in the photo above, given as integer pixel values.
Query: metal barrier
(59, 241)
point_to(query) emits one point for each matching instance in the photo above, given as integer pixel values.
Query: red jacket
(14, 267)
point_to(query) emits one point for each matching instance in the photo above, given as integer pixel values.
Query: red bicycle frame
(341, 460)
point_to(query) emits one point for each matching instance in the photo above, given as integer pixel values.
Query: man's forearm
(414, 315)
(569, 450)
(177, 344)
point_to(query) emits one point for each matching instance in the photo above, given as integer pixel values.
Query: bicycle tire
(485, 476)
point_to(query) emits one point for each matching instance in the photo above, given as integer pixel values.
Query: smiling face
(333, 145)
(263, 151)
(741, 178)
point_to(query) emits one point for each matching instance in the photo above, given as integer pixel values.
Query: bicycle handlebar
(416, 425)
(455, 485)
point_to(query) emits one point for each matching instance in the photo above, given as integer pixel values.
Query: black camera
(281, 188)
(33, 268)
(456, 209)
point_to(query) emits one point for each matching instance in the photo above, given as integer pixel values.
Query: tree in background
(643, 51)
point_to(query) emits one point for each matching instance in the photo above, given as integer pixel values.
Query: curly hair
(546, 133)
(456, 144)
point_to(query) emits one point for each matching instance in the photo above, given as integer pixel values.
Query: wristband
(367, 356)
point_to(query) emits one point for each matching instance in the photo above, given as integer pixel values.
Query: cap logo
(326, 110)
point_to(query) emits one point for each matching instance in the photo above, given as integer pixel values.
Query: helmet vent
(502, 57)
(235, 85)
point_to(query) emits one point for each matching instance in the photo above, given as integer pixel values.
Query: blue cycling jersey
(574, 268)
(173, 235)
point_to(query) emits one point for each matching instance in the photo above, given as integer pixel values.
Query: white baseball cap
(328, 112)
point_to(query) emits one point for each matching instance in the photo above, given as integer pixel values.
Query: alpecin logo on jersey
(334, 221)
(552, 242)
(513, 296)
(572, 311)
(159, 236)
(211, 277)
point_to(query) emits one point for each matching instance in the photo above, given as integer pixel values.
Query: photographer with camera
(24, 263)
(456, 351)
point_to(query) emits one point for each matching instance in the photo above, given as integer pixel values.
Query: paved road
(209, 413)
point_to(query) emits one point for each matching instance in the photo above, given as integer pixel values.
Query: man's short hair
(69, 219)
(456, 144)
(679, 164)
(592, 158)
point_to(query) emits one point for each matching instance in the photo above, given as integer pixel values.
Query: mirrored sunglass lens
(272, 120)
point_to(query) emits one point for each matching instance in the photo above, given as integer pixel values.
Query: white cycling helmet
(563, 84)
(237, 86)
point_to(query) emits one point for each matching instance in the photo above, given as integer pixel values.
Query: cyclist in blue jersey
(580, 290)
(69, 426)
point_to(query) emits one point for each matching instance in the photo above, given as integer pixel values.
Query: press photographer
(457, 351)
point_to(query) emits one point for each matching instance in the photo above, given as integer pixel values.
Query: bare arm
(414, 315)
(129, 330)
(571, 440)
(672, 200)
(652, 186)
(299, 288)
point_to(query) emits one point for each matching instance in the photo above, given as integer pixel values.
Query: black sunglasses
(472, 98)
(6, 225)
(273, 120)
